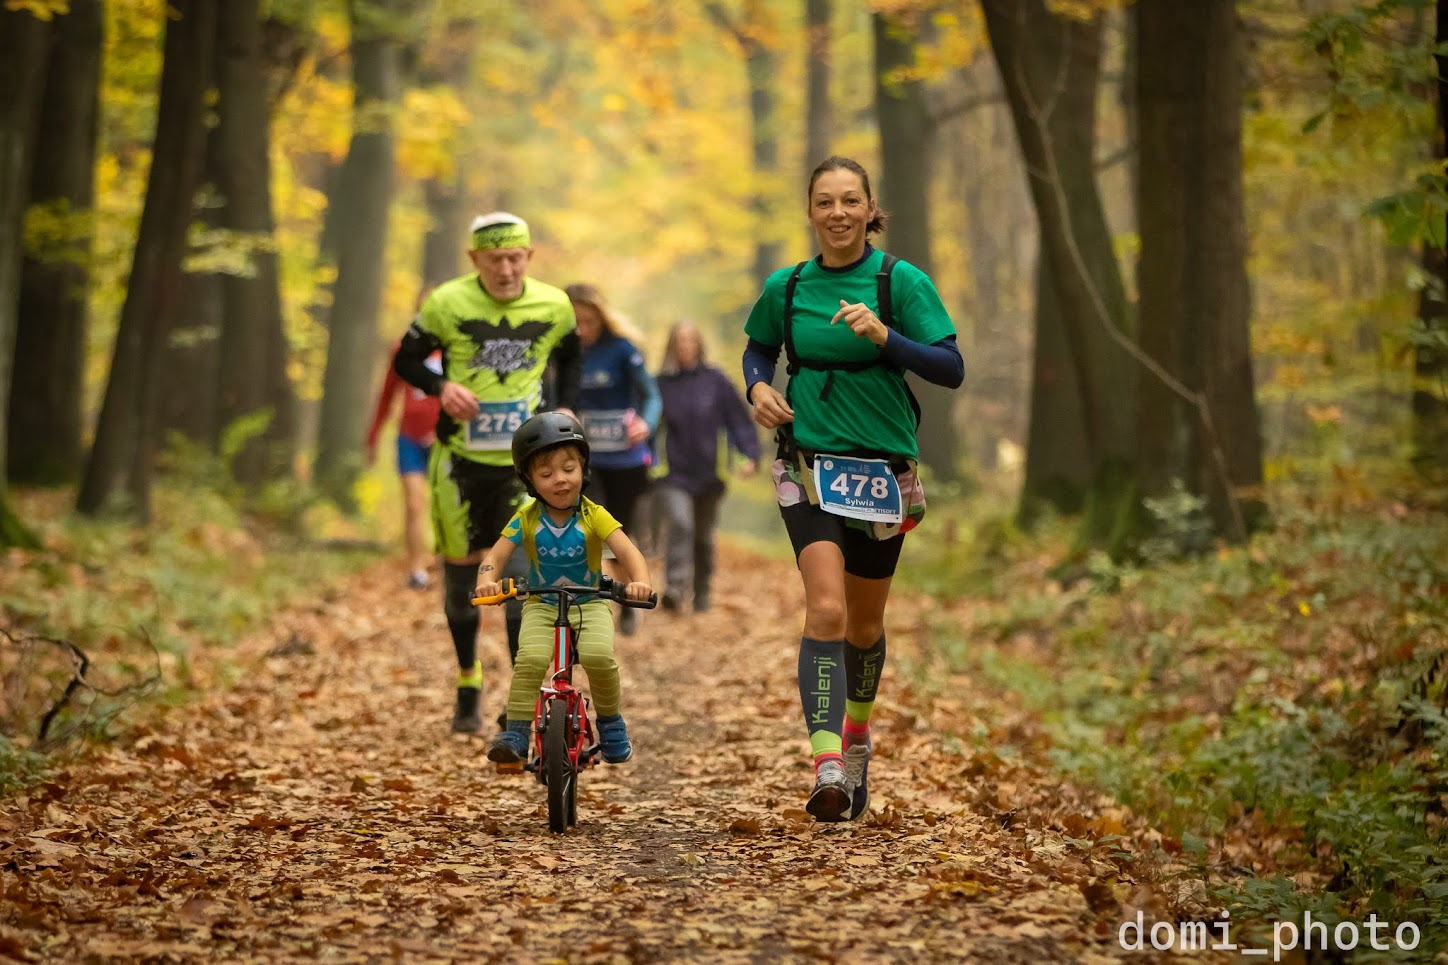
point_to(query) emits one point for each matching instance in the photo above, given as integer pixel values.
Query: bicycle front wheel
(561, 775)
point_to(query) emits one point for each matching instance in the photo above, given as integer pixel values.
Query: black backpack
(885, 314)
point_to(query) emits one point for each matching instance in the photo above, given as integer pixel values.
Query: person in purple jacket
(699, 403)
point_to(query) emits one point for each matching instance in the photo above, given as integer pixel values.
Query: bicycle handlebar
(608, 588)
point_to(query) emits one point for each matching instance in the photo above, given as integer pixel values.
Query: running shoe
(613, 739)
(465, 718)
(830, 799)
(857, 775)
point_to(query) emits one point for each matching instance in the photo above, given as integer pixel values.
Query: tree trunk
(24, 51)
(444, 249)
(1195, 306)
(448, 62)
(906, 136)
(194, 354)
(1430, 363)
(193, 351)
(817, 88)
(252, 377)
(365, 197)
(762, 67)
(1049, 66)
(126, 439)
(1058, 463)
(46, 391)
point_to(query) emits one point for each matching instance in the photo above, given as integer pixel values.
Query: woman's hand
(770, 409)
(458, 402)
(638, 430)
(748, 468)
(862, 321)
(638, 592)
(490, 588)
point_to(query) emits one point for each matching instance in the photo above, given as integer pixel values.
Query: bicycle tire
(573, 800)
(561, 776)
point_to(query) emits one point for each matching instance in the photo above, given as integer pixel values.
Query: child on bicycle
(563, 534)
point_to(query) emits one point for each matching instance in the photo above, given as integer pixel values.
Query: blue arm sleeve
(760, 361)
(651, 410)
(939, 363)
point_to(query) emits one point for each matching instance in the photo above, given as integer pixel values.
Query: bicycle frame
(582, 749)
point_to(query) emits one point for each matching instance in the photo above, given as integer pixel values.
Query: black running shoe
(466, 719)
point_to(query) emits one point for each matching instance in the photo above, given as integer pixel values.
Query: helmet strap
(562, 509)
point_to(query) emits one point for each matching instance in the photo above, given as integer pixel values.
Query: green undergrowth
(1278, 709)
(137, 602)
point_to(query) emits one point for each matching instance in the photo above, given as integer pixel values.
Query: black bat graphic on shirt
(503, 347)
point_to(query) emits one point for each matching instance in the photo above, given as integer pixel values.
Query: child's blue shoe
(613, 739)
(510, 746)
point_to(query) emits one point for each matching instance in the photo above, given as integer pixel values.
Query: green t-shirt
(498, 351)
(868, 409)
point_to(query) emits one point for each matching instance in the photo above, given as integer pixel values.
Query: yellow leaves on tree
(41, 9)
(428, 132)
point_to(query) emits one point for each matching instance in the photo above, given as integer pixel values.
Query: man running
(498, 329)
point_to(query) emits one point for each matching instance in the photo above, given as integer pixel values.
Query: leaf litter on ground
(318, 807)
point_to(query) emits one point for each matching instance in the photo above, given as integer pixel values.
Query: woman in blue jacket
(619, 406)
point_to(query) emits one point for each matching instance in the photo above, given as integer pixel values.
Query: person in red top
(415, 433)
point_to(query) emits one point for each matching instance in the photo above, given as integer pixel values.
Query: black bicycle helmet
(543, 432)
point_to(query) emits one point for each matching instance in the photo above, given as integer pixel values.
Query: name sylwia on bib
(493, 427)
(858, 488)
(607, 429)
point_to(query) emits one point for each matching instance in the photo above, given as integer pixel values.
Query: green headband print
(500, 231)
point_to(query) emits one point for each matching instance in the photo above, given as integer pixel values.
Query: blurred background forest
(1187, 513)
(312, 165)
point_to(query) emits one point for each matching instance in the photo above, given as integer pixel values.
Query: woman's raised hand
(862, 321)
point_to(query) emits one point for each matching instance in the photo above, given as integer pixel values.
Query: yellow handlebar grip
(508, 594)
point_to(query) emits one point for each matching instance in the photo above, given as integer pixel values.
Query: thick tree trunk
(906, 139)
(46, 390)
(817, 82)
(193, 352)
(448, 62)
(444, 249)
(1049, 66)
(1058, 463)
(762, 67)
(252, 377)
(817, 116)
(1195, 306)
(1430, 364)
(365, 198)
(126, 439)
(24, 51)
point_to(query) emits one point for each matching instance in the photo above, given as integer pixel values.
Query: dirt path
(318, 810)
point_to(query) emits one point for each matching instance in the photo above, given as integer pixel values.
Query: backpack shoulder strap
(792, 358)
(882, 289)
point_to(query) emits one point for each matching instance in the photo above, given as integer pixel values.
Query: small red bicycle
(563, 737)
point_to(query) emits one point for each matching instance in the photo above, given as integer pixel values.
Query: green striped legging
(535, 656)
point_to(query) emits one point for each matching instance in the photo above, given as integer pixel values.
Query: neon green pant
(535, 656)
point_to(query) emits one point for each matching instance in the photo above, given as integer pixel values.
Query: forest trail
(317, 809)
